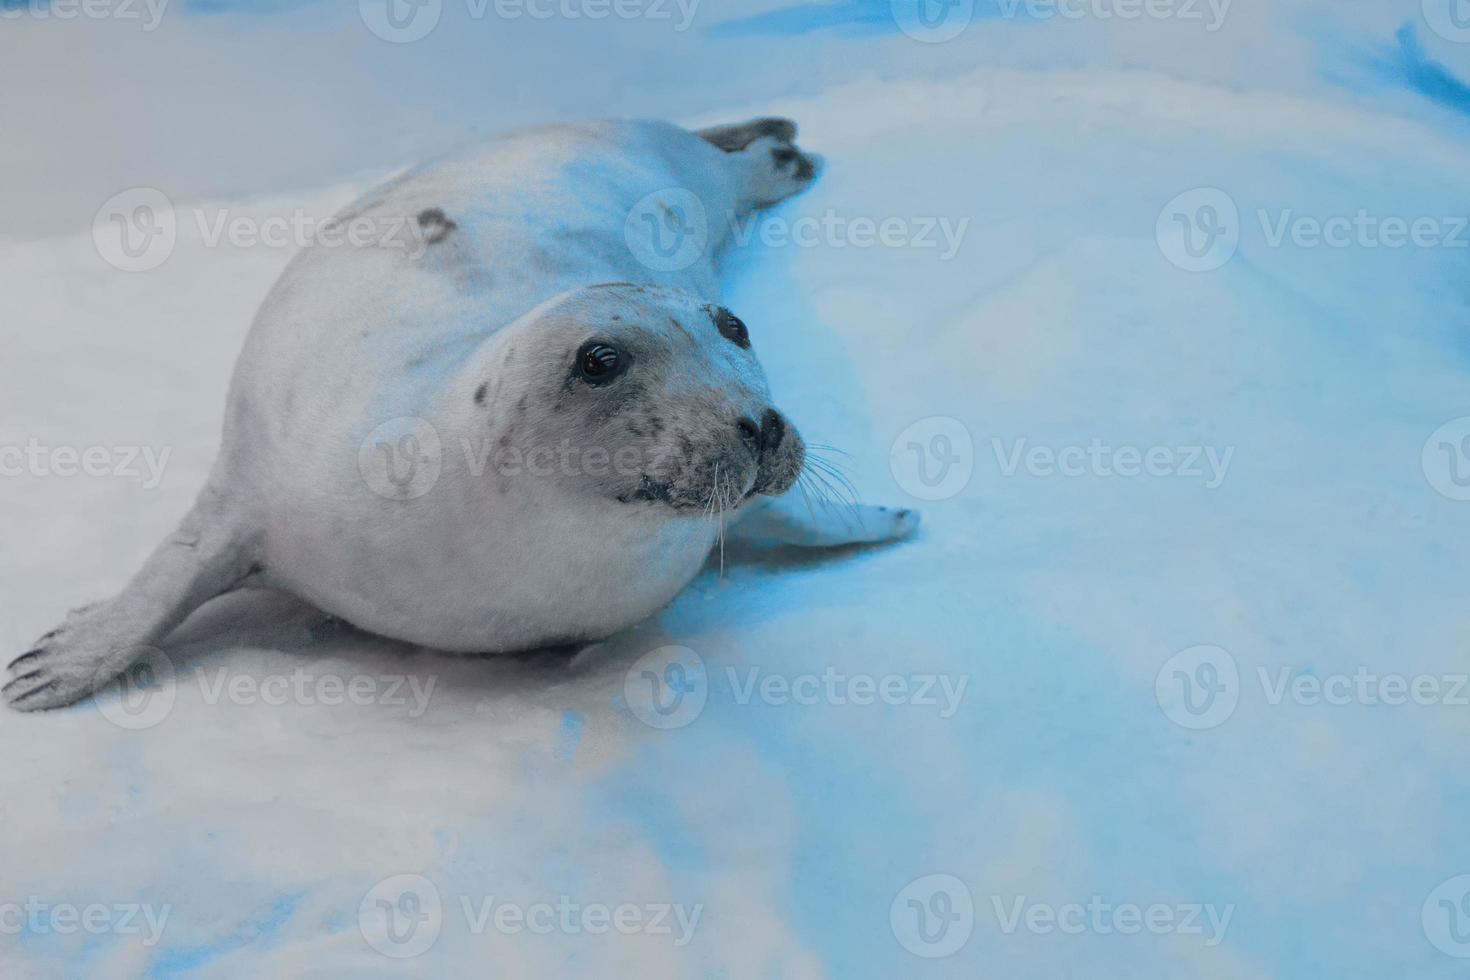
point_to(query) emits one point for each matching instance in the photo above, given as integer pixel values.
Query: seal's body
(507, 413)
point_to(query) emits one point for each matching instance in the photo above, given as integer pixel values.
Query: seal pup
(524, 430)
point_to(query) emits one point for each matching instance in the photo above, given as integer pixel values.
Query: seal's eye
(597, 363)
(732, 328)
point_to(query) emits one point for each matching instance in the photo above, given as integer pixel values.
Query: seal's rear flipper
(211, 553)
(734, 138)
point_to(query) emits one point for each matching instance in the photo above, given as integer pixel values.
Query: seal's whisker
(841, 486)
(806, 497)
(835, 471)
(827, 494)
(840, 495)
(709, 509)
(823, 447)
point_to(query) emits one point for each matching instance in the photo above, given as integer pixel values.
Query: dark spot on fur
(481, 391)
(521, 405)
(436, 225)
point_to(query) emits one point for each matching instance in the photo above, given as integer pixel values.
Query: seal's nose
(750, 433)
(773, 430)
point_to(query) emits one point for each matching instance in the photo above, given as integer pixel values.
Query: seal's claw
(23, 691)
(48, 682)
(26, 658)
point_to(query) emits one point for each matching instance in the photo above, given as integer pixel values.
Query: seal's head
(644, 395)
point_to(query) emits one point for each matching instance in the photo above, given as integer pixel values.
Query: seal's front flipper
(794, 520)
(211, 553)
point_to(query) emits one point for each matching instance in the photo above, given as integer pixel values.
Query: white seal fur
(518, 431)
